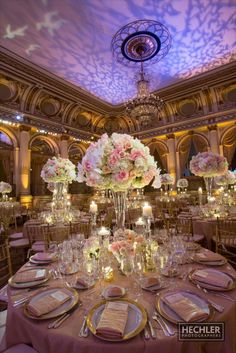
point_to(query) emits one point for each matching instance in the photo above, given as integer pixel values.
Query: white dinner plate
(171, 316)
(105, 291)
(69, 304)
(14, 284)
(136, 322)
(231, 284)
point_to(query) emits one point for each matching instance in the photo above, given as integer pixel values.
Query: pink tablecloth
(206, 228)
(65, 339)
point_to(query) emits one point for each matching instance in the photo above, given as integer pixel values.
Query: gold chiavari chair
(38, 236)
(5, 264)
(57, 235)
(225, 239)
(184, 228)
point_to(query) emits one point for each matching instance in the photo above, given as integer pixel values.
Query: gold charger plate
(171, 316)
(14, 284)
(211, 286)
(64, 308)
(211, 263)
(130, 332)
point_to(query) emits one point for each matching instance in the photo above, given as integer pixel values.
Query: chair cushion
(19, 243)
(16, 236)
(20, 348)
(38, 247)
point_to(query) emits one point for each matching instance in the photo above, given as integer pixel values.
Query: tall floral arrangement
(166, 179)
(5, 188)
(182, 183)
(118, 163)
(58, 170)
(208, 164)
(228, 178)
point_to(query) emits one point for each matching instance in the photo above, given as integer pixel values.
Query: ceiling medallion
(139, 42)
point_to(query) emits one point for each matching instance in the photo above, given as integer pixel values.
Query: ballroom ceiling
(72, 38)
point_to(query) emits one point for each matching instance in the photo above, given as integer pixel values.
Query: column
(171, 160)
(24, 161)
(213, 138)
(221, 150)
(178, 174)
(64, 146)
(16, 170)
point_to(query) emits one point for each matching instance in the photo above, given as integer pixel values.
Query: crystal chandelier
(138, 42)
(146, 107)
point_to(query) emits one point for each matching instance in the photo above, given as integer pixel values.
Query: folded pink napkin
(208, 256)
(185, 308)
(113, 320)
(151, 282)
(114, 292)
(211, 278)
(43, 256)
(29, 276)
(48, 303)
(82, 282)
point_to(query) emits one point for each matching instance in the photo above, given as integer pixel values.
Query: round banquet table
(65, 339)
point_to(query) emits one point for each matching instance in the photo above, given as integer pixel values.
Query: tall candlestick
(93, 208)
(200, 196)
(147, 210)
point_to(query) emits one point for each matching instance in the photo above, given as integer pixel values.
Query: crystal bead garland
(119, 199)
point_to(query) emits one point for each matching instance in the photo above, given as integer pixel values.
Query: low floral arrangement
(131, 244)
(5, 188)
(226, 179)
(118, 163)
(182, 183)
(91, 248)
(58, 170)
(208, 164)
(166, 179)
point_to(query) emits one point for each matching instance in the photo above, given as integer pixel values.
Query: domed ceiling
(72, 39)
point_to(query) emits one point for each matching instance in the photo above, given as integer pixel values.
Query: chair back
(5, 264)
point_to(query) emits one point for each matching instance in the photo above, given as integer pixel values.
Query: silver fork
(84, 331)
(165, 324)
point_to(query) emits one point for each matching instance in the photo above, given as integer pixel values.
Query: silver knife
(153, 333)
(51, 324)
(82, 332)
(162, 326)
(57, 324)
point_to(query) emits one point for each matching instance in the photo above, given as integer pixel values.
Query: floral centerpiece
(228, 178)
(58, 170)
(208, 164)
(182, 183)
(5, 188)
(166, 179)
(118, 162)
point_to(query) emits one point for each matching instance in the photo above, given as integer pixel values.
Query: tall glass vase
(59, 201)
(208, 182)
(119, 199)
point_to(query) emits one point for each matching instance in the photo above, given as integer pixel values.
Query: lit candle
(200, 195)
(140, 222)
(108, 273)
(147, 210)
(93, 208)
(103, 231)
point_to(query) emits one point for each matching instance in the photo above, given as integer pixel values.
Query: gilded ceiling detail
(71, 39)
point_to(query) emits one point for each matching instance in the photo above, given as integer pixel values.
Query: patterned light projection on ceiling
(72, 38)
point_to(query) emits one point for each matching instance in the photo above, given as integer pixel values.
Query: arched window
(41, 151)
(6, 159)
